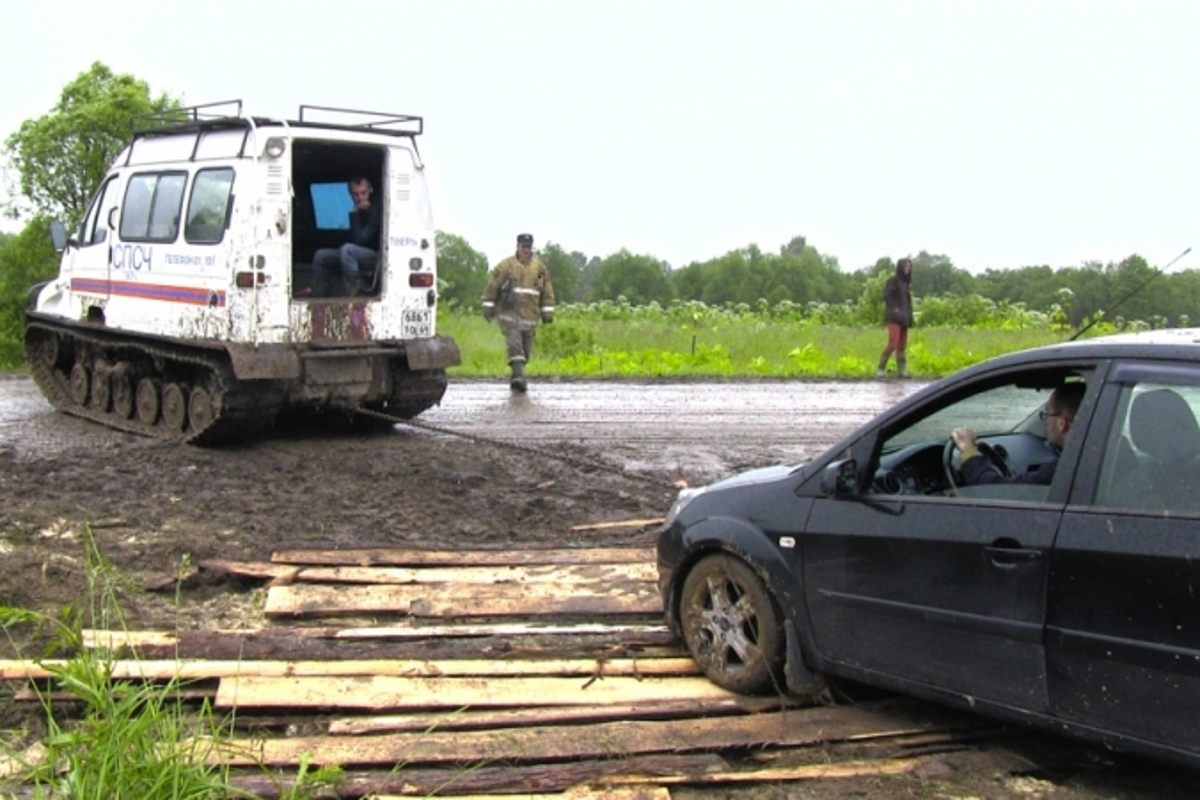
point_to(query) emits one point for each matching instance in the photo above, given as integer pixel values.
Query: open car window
(916, 457)
(997, 410)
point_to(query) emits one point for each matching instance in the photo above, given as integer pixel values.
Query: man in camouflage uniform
(518, 296)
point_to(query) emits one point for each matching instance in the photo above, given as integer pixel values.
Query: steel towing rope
(575, 461)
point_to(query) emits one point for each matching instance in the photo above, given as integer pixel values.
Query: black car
(1073, 605)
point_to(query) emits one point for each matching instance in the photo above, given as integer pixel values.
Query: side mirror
(840, 479)
(58, 236)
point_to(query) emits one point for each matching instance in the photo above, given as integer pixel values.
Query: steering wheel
(954, 477)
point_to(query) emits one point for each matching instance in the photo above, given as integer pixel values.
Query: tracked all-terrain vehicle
(184, 304)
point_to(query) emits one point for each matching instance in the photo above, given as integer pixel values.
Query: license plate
(416, 322)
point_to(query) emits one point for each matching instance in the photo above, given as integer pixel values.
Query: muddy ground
(151, 507)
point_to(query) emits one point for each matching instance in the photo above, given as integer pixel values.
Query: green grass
(125, 739)
(745, 347)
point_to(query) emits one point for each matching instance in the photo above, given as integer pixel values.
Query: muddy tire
(149, 400)
(101, 386)
(81, 384)
(201, 412)
(174, 406)
(124, 397)
(732, 626)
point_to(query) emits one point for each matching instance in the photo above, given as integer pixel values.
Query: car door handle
(1011, 557)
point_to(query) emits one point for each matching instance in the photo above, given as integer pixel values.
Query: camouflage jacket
(530, 299)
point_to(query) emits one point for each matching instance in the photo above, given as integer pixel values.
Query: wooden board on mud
(504, 672)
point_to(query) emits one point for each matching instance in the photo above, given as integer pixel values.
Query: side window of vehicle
(95, 225)
(208, 206)
(1152, 454)
(152, 207)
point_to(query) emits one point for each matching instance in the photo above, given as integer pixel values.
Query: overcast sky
(1000, 134)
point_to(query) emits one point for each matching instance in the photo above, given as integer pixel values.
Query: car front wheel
(731, 626)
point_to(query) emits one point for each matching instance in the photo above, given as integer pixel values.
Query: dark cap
(525, 238)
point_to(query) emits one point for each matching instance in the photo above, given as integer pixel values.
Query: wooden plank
(557, 574)
(399, 557)
(246, 569)
(401, 629)
(33, 756)
(415, 640)
(604, 740)
(516, 574)
(557, 715)
(628, 523)
(395, 692)
(197, 669)
(453, 600)
(577, 793)
(428, 782)
(806, 772)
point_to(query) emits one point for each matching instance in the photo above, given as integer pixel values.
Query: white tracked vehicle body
(184, 304)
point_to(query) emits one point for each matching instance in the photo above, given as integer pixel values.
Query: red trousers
(897, 338)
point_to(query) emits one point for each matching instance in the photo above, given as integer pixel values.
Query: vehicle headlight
(681, 501)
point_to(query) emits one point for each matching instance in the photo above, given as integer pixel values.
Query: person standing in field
(518, 296)
(898, 316)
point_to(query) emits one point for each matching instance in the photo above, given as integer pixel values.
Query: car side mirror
(58, 236)
(840, 479)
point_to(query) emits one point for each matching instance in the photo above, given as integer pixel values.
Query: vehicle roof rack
(185, 115)
(228, 114)
(383, 121)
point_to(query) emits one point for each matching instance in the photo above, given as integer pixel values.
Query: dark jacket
(977, 470)
(897, 299)
(364, 226)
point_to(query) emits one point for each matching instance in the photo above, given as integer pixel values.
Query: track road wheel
(732, 627)
(149, 400)
(81, 384)
(200, 409)
(101, 386)
(123, 397)
(174, 406)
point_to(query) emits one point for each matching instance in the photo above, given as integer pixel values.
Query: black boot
(517, 382)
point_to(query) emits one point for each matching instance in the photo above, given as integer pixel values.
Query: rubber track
(240, 410)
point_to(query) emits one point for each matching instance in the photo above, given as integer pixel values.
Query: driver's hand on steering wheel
(964, 439)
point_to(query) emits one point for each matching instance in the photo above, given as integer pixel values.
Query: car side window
(1014, 459)
(1152, 453)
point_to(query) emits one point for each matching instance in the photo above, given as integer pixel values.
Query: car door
(1123, 641)
(91, 261)
(944, 591)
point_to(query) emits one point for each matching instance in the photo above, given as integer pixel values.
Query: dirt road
(517, 472)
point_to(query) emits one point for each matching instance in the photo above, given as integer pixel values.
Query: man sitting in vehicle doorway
(1059, 416)
(358, 255)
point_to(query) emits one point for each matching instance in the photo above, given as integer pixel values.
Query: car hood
(760, 475)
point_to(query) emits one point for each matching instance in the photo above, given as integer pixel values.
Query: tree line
(800, 276)
(56, 162)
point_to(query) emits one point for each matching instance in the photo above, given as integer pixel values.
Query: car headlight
(681, 501)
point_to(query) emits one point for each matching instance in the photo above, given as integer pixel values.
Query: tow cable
(575, 461)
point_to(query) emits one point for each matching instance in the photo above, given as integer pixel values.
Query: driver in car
(1059, 416)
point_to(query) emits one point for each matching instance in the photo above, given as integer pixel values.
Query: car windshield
(1003, 409)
